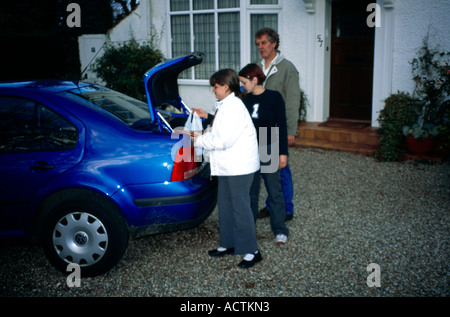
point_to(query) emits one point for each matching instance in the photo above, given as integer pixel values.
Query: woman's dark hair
(272, 35)
(253, 70)
(227, 77)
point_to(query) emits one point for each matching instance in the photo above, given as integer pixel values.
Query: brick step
(336, 146)
(339, 138)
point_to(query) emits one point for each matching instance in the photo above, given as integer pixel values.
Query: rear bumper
(156, 208)
(202, 203)
(179, 199)
(137, 232)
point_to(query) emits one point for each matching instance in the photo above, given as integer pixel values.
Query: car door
(36, 144)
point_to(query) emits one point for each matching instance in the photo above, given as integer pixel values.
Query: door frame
(318, 70)
(342, 110)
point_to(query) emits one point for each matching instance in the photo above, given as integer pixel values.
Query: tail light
(185, 165)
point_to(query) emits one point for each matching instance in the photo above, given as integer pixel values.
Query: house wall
(315, 60)
(138, 25)
(90, 47)
(413, 20)
(305, 28)
(398, 39)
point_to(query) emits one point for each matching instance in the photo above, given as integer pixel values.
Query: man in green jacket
(281, 76)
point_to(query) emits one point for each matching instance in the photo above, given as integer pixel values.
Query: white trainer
(281, 238)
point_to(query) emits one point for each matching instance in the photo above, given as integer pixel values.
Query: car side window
(27, 126)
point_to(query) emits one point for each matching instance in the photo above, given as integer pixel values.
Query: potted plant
(431, 73)
(420, 139)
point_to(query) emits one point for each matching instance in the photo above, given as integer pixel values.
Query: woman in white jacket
(233, 152)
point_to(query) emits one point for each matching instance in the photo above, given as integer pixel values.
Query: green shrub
(123, 66)
(303, 106)
(400, 110)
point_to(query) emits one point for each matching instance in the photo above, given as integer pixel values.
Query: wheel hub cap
(81, 238)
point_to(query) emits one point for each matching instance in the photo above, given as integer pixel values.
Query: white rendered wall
(399, 38)
(413, 19)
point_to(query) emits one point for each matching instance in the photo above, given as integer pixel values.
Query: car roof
(52, 86)
(165, 74)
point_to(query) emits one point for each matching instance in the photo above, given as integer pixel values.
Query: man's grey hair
(271, 34)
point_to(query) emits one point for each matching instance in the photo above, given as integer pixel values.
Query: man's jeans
(288, 190)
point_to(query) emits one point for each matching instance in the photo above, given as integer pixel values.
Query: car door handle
(42, 166)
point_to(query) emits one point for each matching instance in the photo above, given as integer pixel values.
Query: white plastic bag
(194, 123)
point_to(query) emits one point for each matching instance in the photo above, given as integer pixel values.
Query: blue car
(85, 168)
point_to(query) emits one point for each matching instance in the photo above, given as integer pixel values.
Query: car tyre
(88, 231)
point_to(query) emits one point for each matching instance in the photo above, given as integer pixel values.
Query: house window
(258, 21)
(208, 26)
(255, 2)
(218, 29)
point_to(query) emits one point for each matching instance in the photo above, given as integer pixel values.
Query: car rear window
(124, 107)
(133, 112)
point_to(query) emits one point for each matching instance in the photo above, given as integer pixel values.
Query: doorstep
(339, 135)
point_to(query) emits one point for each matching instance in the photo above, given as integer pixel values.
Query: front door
(352, 50)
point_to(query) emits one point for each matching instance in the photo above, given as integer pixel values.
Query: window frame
(245, 11)
(38, 110)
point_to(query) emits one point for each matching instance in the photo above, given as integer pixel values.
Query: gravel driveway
(350, 211)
